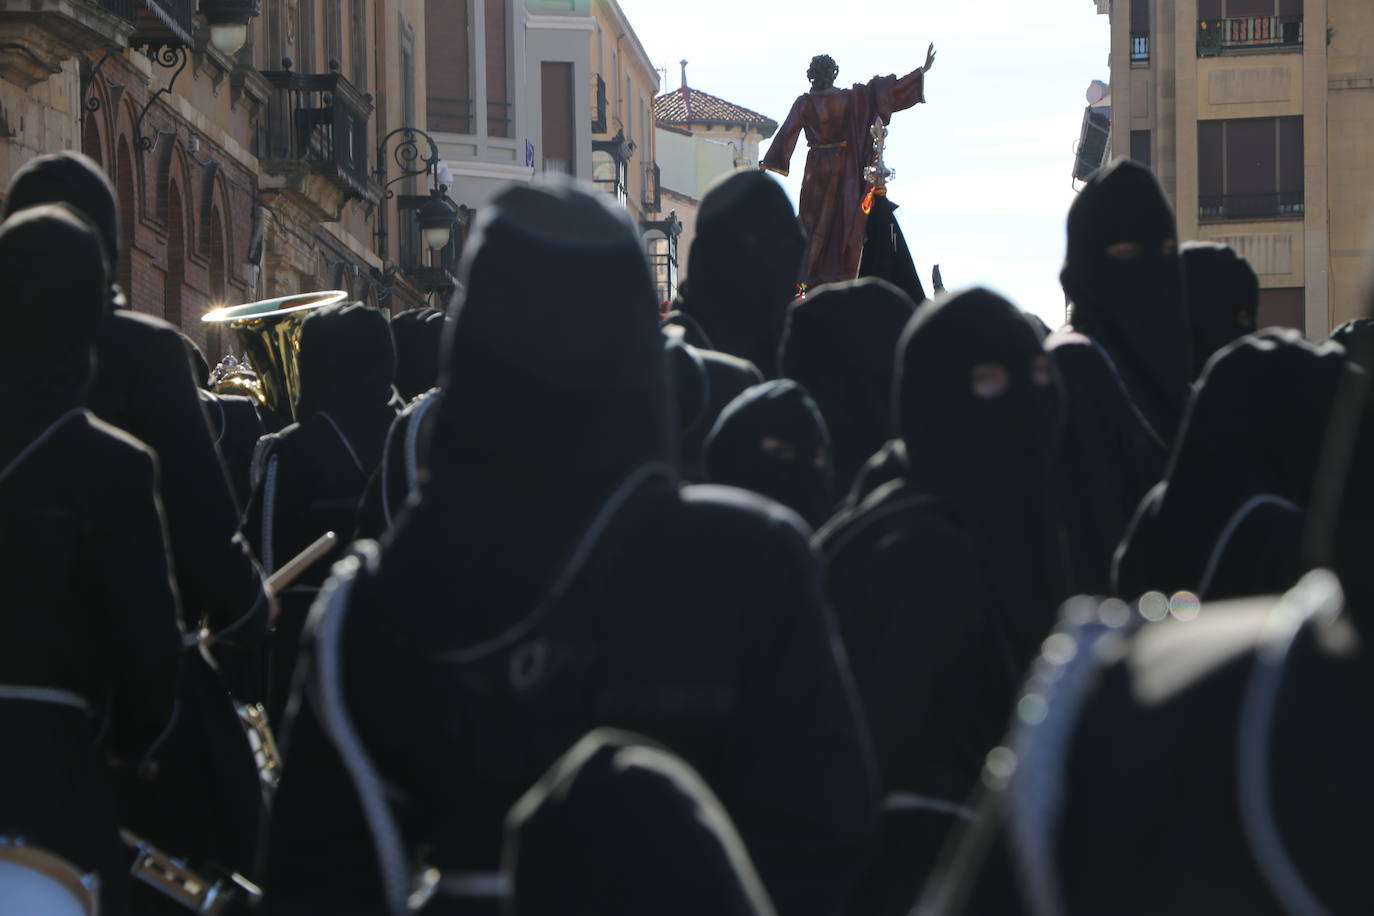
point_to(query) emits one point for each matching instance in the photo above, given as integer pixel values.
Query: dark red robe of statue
(837, 123)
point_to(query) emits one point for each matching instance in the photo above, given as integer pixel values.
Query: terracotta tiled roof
(692, 106)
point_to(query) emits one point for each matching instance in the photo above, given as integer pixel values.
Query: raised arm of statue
(779, 156)
(911, 89)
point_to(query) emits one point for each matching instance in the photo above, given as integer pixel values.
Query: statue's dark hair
(822, 71)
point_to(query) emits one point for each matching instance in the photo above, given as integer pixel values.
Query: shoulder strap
(44, 436)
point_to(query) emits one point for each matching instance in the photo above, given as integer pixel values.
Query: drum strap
(53, 695)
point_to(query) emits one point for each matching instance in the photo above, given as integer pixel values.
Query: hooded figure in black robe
(1227, 520)
(946, 568)
(535, 590)
(311, 475)
(839, 343)
(1126, 360)
(417, 333)
(1223, 298)
(622, 827)
(744, 263)
(886, 255)
(772, 440)
(143, 385)
(90, 634)
(1188, 759)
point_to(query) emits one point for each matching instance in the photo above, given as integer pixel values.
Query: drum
(33, 880)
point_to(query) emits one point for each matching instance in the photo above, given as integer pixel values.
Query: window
(1250, 169)
(411, 248)
(448, 65)
(611, 173)
(559, 140)
(498, 83)
(1140, 147)
(1282, 308)
(1248, 25)
(1140, 31)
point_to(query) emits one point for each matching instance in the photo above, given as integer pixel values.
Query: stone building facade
(1258, 118)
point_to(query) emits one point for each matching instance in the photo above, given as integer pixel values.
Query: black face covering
(417, 334)
(73, 179)
(744, 265)
(772, 440)
(840, 343)
(1124, 277)
(979, 406)
(620, 826)
(347, 362)
(1223, 298)
(53, 302)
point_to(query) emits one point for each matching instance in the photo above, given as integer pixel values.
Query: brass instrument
(270, 333)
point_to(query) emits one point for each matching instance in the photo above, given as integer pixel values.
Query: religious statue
(838, 126)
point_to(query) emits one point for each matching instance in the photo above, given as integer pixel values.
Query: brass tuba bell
(270, 333)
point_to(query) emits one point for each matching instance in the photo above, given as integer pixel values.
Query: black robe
(946, 568)
(840, 343)
(886, 255)
(1227, 520)
(90, 632)
(553, 577)
(144, 386)
(311, 475)
(1214, 760)
(622, 827)
(1223, 298)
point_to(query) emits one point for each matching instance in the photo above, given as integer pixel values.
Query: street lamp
(228, 20)
(437, 219)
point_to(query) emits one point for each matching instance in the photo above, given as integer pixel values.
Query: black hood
(417, 334)
(57, 274)
(979, 409)
(840, 343)
(1223, 298)
(1346, 334)
(772, 440)
(74, 179)
(621, 826)
(553, 364)
(1254, 426)
(347, 362)
(744, 265)
(1124, 276)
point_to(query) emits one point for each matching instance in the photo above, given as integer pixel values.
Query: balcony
(316, 126)
(38, 36)
(1216, 208)
(1255, 33)
(160, 23)
(450, 115)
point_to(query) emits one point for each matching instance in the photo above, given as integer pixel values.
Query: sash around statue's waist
(841, 145)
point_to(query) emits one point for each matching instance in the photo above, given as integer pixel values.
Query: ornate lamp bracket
(168, 57)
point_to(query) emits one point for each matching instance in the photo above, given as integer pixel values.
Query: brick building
(240, 176)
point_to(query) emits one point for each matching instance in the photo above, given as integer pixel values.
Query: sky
(983, 168)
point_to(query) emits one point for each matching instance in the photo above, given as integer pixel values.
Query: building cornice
(559, 23)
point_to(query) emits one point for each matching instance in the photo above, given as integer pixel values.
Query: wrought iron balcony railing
(1253, 33)
(450, 115)
(318, 120)
(124, 9)
(1271, 205)
(653, 187)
